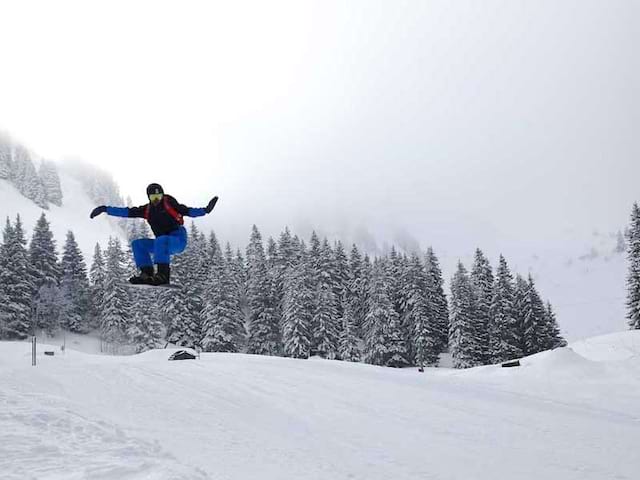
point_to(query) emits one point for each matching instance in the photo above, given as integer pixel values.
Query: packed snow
(571, 413)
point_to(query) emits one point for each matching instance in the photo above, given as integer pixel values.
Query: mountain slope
(561, 415)
(72, 215)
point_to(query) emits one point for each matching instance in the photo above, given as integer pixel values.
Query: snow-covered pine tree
(42, 255)
(45, 273)
(419, 318)
(4, 276)
(314, 258)
(240, 274)
(116, 306)
(271, 253)
(349, 345)
(537, 337)
(394, 272)
(264, 331)
(222, 318)
(51, 181)
(5, 157)
(325, 316)
(356, 289)
(520, 301)
(15, 283)
(553, 330)
(74, 286)
(482, 281)
(199, 258)
(183, 309)
(297, 311)
(289, 254)
(466, 348)
(633, 276)
(180, 323)
(340, 276)
(380, 314)
(145, 329)
(325, 322)
(437, 298)
(504, 335)
(26, 179)
(97, 282)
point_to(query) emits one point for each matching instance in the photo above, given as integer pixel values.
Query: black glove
(98, 210)
(211, 204)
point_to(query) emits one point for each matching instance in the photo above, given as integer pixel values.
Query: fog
(499, 124)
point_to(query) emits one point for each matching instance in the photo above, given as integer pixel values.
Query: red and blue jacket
(164, 217)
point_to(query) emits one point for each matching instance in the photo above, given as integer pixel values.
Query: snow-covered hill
(72, 215)
(571, 413)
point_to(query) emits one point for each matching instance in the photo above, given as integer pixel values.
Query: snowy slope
(73, 215)
(561, 415)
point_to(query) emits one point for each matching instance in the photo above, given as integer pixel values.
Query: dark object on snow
(166, 286)
(182, 355)
(51, 354)
(514, 363)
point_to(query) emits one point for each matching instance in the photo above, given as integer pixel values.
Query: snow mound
(613, 347)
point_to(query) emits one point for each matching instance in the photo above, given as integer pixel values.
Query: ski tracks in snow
(41, 437)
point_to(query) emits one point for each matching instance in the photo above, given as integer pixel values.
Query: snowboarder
(165, 217)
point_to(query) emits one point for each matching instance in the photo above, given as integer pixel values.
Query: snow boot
(162, 276)
(145, 275)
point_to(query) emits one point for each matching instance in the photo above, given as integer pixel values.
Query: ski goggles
(155, 197)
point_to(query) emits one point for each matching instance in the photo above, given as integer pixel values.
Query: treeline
(283, 297)
(41, 185)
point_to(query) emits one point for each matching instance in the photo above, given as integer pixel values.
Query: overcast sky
(483, 123)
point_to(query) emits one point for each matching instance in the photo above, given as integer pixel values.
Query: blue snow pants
(161, 248)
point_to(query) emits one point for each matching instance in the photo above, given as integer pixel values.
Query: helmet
(154, 188)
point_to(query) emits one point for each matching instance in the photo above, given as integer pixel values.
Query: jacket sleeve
(186, 211)
(133, 212)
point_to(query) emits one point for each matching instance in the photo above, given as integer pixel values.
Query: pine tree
(536, 335)
(380, 314)
(5, 157)
(437, 299)
(51, 182)
(16, 283)
(504, 340)
(325, 316)
(356, 289)
(45, 274)
(482, 281)
(145, 328)
(553, 330)
(116, 308)
(419, 318)
(466, 347)
(222, 318)
(26, 179)
(325, 328)
(42, 255)
(264, 334)
(520, 302)
(633, 276)
(74, 287)
(97, 286)
(349, 349)
(297, 310)
(340, 276)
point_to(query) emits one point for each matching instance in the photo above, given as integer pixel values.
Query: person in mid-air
(165, 217)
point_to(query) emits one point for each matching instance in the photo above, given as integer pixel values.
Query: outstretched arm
(190, 211)
(133, 212)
